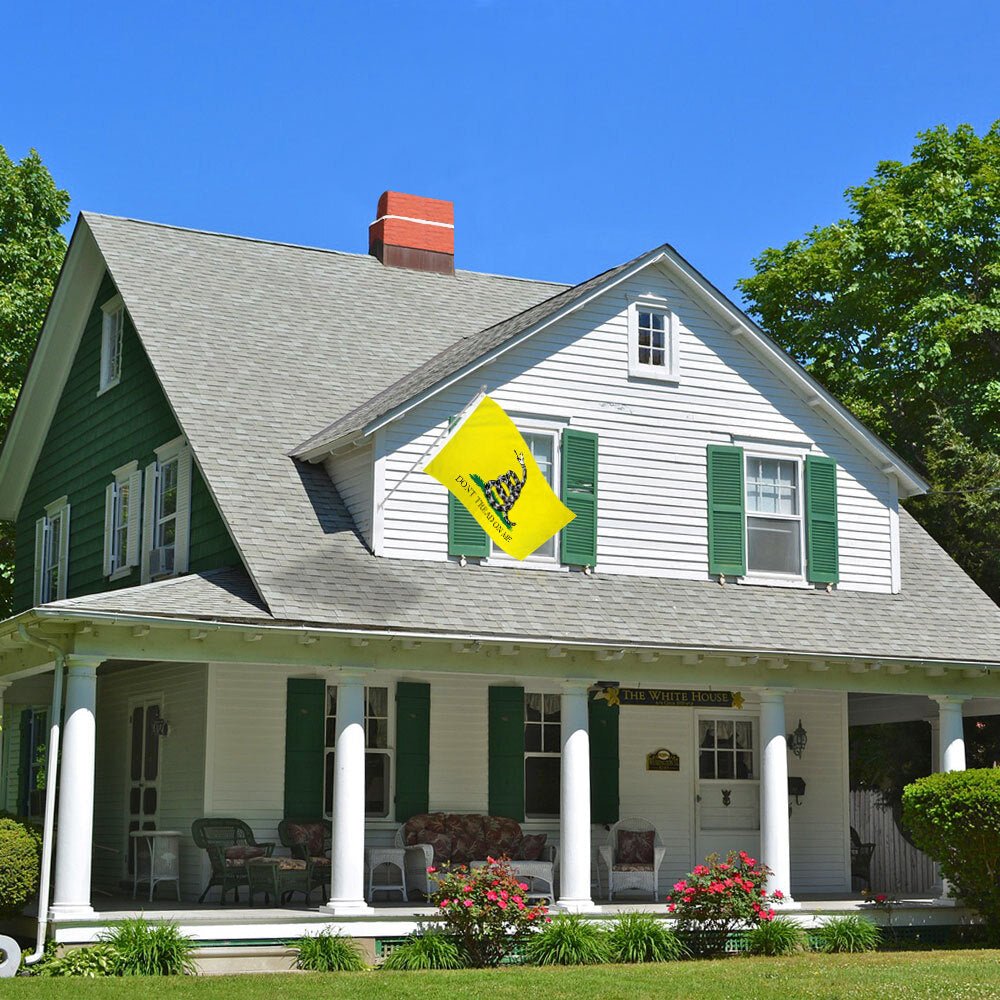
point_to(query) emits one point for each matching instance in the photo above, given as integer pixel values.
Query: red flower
(431, 870)
(778, 894)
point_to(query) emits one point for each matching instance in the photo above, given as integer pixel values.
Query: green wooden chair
(230, 844)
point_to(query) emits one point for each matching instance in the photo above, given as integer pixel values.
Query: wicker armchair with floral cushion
(230, 844)
(632, 856)
(309, 840)
(431, 839)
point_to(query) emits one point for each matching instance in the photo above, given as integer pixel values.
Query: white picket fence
(898, 867)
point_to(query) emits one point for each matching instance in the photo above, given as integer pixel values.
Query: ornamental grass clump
(780, 936)
(485, 910)
(568, 940)
(848, 934)
(718, 897)
(430, 949)
(326, 952)
(641, 937)
(146, 948)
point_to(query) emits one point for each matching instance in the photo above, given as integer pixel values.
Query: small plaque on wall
(662, 760)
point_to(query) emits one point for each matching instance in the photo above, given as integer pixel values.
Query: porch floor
(213, 925)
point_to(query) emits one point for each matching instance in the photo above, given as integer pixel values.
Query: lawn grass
(954, 975)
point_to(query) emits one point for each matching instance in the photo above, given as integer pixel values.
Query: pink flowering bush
(485, 910)
(719, 896)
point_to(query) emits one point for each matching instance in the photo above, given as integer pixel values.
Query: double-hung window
(542, 754)
(112, 336)
(774, 516)
(52, 552)
(378, 754)
(167, 512)
(122, 506)
(652, 340)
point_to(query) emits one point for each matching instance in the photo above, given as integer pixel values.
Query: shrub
(326, 952)
(484, 910)
(954, 817)
(641, 937)
(568, 940)
(719, 896)
(851, 933)
(430, 949)
(20, 865)
(97, 960)
(780, 936)
(144, 948)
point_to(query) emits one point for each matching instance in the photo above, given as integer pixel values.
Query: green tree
(896, 310)
(32, 209)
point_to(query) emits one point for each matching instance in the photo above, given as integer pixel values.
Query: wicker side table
(395, 856)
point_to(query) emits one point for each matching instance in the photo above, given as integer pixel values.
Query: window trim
(112, 327)
(552, 427)
(540, 817)
(637, 370)
(56, 510)
(122, 566)
(389, 750)
(783, 453)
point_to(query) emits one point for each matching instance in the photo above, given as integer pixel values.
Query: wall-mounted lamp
(160, 727)
(797, 740)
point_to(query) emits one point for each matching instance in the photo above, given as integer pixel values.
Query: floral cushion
(285, 864)
(531, 847)
(465, 837)
(635, 847)
(237, 857)
(501, 837)
(634, 868)
(320, 862)
(441, 843)
(312, 835)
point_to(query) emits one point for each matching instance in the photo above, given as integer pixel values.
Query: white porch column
(574, 815)
(951, 737)
(774, 840)
(950, 756)
(347, 883)
(74, 841)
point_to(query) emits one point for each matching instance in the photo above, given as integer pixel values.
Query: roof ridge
(301, 246)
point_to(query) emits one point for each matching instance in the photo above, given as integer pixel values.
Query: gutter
(51, 770)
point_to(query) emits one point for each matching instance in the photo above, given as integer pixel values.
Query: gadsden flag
(487, 465)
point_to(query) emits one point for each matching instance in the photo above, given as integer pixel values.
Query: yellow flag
(487, 464)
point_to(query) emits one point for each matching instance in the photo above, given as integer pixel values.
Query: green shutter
(305, 743)
(465, 537)
(506, 752)
(822, 562)
(726, 512)
(603, 761)
(413, 749)
(579, 493)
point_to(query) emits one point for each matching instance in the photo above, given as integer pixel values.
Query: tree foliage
(32, 248)
(896, 310)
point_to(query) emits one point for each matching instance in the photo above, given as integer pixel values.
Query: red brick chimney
(414, 232)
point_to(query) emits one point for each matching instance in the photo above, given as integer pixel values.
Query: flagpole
(434, 445)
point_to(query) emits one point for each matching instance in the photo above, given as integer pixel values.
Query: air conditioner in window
(161, 561)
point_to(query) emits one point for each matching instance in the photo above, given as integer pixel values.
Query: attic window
(652, 340)
(111, 343)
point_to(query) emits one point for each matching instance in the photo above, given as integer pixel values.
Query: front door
(727, 789)
(144, 773)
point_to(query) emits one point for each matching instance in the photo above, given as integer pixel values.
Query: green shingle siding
(90, 435)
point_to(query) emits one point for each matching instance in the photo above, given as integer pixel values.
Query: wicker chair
(624, 872)
(310, 840)
(230, 844)
(861, 859)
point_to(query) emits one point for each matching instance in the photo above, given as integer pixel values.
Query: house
(224, 535)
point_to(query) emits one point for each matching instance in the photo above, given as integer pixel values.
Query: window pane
(553, 708)
(706, 764)
(643, 355)
(771, 486)
(331, 732)
(331, 701)
(551, 737)
(138, 732)
(541, 786)
(726, 766)
(744, 735)
(328, 784)
(152, 743)
(706, 733)
(533, 707)
(773, 546)
(376, 784)
(532, 737)
(645, 338)
(377, 734)
(377, 701)
(744, 765)
(168, 488)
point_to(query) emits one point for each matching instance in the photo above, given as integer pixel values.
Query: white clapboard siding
(182, 688)
(898, 868)
(653, 437)
(352, 473)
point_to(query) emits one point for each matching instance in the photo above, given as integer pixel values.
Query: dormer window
(652, 340)
(111, 343)
(166, 521)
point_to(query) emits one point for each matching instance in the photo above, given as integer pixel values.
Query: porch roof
(939, 615)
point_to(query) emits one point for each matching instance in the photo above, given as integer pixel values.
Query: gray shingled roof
(456, 356)
(255, 343)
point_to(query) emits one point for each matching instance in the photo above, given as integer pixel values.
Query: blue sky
(570, 136)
